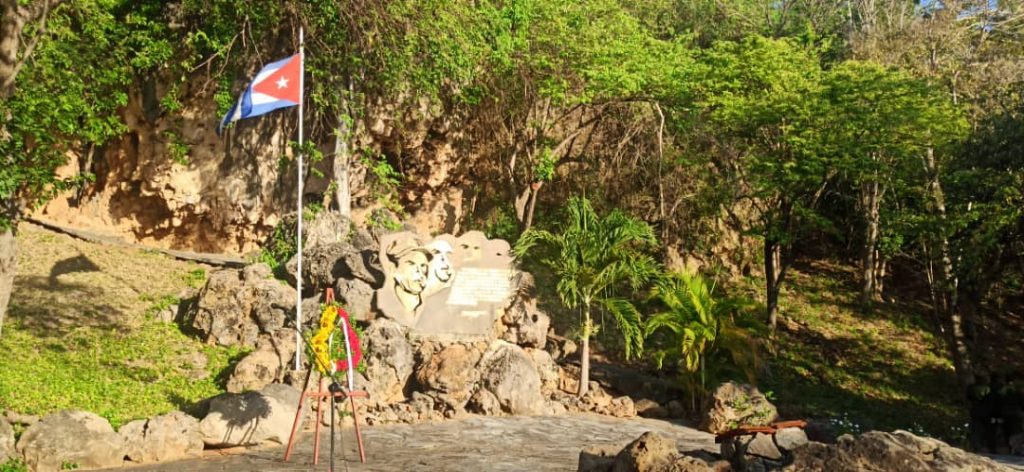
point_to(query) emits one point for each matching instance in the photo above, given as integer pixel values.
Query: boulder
(357, 296)
(1017, 444)
(327, 227)
(483, 402)
(597, 458)
(389, 360)
(508, 373)
(69, 438)
(550, 375)
(250, 418)
(6, 441)
(620, 407)
(877, 451)
(559, 347)
(235, 307)
(650, 409)
(675, 409)
(257, 370)
(162, 438)
(760, 445)
(733, 405)
(363, 265)
(788, 439)
(650, 452)
(322, 265)
(267, 364)
(450, 375)
(524, 324)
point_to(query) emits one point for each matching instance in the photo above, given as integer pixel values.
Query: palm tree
(700, 323)
(592, 257)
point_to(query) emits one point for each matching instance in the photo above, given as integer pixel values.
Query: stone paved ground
(474, 444)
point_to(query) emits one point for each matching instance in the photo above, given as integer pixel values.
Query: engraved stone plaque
(446, 286)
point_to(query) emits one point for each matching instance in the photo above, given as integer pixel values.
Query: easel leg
(298, 417)
(359, 436)
(319, 419)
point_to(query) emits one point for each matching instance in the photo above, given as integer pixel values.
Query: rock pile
(651, 452)
(877, 451)
(733, 405)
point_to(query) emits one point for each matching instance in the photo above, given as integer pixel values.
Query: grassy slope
(879, 370)
(81, 334)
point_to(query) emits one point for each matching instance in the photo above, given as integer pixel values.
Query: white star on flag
(283, 83)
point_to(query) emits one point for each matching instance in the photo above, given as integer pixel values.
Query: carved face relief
(411, 272)
(440, 264)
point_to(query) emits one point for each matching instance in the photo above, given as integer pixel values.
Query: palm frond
(627, 317)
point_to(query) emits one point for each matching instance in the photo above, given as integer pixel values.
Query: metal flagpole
(298, 236)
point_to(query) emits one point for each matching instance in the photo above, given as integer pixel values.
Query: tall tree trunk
(340, 166)
(585, 353)
(870, 204)
(948, 284)
(773, 279)
(880, 268)
(534, 193)
(8, 267)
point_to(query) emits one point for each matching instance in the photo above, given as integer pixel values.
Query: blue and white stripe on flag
(277, 85)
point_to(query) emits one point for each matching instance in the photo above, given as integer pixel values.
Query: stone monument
(448, 286)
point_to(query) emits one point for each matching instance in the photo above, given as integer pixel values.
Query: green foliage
(594, 258)
(704, 336)
(68, 94)
(120, 375)
(176, 147)
(195, 278)
(14, 465)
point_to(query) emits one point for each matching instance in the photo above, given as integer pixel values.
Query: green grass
(859, 370)
(81, 332)
(13, 465)
(118, 375)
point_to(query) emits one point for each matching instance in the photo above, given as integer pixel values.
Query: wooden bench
(734, 447)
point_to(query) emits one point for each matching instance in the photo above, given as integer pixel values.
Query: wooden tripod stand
(322, 397)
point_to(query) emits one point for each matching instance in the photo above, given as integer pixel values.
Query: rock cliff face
(171, 182)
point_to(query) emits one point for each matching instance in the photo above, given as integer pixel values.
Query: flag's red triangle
(284, 83)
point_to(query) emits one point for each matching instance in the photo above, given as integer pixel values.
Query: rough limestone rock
(789, 439)
(620, 407)
(6, 441)
(327, 227)
(389, 360)
(357, 297)
(597, 458)
(269, 363)
(877, 451)
(450, 375)
(1017, 444)
(650, 409)
(524, 323)
(508, 373)
(235, 307)
(483, 402)
(550, 373)
(651, 452)
(71, 437)
(733, 405)
(257, 370)
(251, 418)
(364, 265)
(321, 266)
(162, 438)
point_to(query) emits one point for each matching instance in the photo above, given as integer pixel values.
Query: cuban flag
(278, 85)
